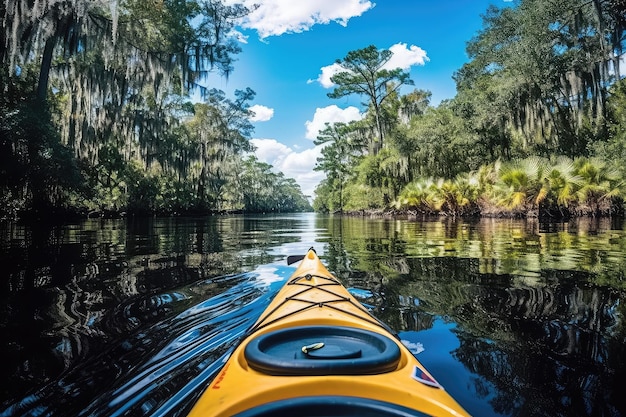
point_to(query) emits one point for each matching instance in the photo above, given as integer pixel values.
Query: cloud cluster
(330, 114)
(402, 57)
(276, 17)
(299, 164)
(296, 165)
(261, 113)
(327, 72)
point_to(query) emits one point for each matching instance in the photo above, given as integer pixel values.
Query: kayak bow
(317, 351)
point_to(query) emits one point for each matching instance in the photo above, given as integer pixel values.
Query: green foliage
(520, 185)
(116, 132)
(538, 76)
(600, 185)
(532, 186)
(175, 195)
(613, 149)
(365, 75)
(561, 183)
(442, 146)
(326, 200)
(454, 197)
(143, 189)
(416, 196)
(457, 197)
(340, 151)
(360, 197)
(37, 173)
(265, 191)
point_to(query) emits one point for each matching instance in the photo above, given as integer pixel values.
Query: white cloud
(293, 164)
(405, 58)
(414, 347)
(330, 114)
(276, 17)
(327, 72)
(240, 37)
(299, 164)
(261, 113)
(270, 150)
(402, 57)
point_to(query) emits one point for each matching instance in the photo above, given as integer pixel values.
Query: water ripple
(163, 366)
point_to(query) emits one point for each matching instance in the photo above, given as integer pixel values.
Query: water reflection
(158, 351)
(85, 306)
(537, 316)
(132, 317)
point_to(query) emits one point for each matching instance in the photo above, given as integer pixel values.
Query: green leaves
(530, 186)
(539, 74)
(539, 91)
(266, 191)
(365, 75)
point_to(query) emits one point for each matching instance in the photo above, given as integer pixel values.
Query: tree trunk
(379, 127)
(44, 73)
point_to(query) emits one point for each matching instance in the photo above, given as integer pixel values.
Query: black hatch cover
(322, 350)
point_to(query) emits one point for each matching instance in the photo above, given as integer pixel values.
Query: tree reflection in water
(132, 316)
(538, 315)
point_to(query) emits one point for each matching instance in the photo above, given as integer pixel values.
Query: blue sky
(288, 51)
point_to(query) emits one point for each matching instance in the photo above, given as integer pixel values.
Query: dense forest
(538, 125)
(97, 115)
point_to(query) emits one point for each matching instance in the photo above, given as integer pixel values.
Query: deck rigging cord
(304, 281)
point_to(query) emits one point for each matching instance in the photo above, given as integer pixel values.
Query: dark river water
(133, 317)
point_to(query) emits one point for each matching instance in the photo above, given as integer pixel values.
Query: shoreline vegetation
(530, 132)
(97, 119)
(529, 188)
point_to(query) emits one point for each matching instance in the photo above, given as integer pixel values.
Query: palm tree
(521, 185)
(600, 184)
(455, 197)
(561, 184)
(416, 195)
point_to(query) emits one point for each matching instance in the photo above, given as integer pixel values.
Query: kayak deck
(317, 350)
(313, 291)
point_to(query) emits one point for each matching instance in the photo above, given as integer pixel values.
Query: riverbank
(544, 214)
(612, 208)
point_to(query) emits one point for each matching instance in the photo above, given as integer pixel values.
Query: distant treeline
(96, 114)
(538, 125)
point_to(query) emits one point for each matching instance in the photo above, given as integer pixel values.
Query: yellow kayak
(317, 351)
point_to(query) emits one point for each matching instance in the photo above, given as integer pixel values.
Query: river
(133, 317)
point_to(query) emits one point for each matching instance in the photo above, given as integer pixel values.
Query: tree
(114, 78)
(600, 185)
(614, 148)
(521, 184)
(440, 145)
(539, 73)
(365, 74)
(323, 197)
(337, 154)
(267, 191)
(221, 127)
(413, 104)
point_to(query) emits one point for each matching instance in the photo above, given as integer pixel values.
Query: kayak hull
(316, 348)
